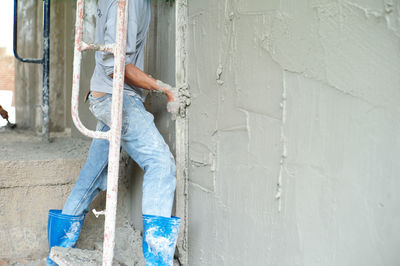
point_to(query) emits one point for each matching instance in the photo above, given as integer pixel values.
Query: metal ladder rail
(45, 61)
(114, 134)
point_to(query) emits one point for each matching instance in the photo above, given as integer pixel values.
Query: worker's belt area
(95, 94)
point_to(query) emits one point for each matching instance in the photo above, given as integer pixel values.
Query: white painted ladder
(114, 134)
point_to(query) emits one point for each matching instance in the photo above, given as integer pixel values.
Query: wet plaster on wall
(293, 132)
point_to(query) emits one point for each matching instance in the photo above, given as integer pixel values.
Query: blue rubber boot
(159, 239)
(63, 230)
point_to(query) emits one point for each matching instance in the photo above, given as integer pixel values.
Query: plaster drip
(181, 102)
(385, 13)
(182, 132)
(184, 99)
(278, 195)
(368, 12)
(161, 245)
(73, 232)
(201, 187)
(219, 74)
(37, 185)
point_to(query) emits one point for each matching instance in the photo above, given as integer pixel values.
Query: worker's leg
(62, 231)
(92, 178)
(143, 142)
(64, 226)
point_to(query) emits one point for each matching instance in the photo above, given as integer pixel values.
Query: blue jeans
(144, 144)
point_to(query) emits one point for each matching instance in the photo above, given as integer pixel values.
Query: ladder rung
(97, 47)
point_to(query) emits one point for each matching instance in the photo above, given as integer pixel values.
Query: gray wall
(293, 132)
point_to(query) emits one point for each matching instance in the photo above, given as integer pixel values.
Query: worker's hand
(172, 97)
(167, 89)
(169, 94)
(3, 113)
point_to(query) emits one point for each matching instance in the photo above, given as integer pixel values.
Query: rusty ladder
(114, 134)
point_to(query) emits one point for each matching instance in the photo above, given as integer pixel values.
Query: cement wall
(293, 132)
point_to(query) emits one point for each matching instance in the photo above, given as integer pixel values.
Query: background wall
(28, 84)
(294, 132)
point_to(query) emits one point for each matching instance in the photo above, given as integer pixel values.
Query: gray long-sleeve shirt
(139, 15)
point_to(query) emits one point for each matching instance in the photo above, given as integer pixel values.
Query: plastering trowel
(10, 125)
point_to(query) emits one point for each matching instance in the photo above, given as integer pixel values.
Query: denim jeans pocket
(101, 108)
(138, 103)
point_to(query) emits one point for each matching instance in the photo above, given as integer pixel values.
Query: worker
(139, 138)
(3, 113)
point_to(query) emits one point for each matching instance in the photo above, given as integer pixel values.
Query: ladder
(114, 134)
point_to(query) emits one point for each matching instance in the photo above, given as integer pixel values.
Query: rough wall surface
(293, 132)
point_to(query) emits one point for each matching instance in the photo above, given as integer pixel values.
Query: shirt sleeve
(107, 59)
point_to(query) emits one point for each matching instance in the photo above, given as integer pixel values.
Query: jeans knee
(172, 170)
(162, 164)
(172, 164)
